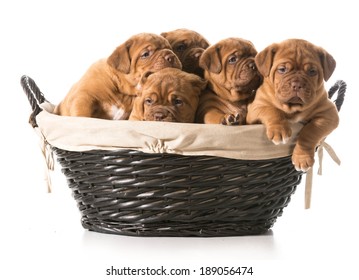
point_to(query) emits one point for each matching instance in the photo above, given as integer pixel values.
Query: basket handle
(34, 95)
(340, 87)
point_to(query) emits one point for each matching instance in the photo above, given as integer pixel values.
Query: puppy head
(296, 70)
(230, 69)
(143, 52)
(169, 95)
(188, 45)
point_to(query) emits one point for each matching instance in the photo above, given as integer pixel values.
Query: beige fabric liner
(82, 134)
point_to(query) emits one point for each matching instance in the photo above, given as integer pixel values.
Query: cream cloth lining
(83, 134)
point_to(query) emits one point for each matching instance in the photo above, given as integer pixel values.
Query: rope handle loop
(340, 87)
(34, 95)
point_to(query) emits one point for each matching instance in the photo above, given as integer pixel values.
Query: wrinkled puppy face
(188, 45)
(169, 95)
(230, 69)
(143, 52)
(296, 69)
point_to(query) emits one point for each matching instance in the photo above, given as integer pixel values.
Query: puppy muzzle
(246, 71)
(161, 115)
(166, 58)
(294, 92)
(190, 61)
(248, 79)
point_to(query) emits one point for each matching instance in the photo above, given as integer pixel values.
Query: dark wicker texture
(134, 193)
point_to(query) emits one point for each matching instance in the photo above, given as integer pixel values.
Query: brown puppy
(232, 80)
(188, 45)
(293, 91)
(169, 95)
(107, 89)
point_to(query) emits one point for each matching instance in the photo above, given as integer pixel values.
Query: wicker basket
(131, 192)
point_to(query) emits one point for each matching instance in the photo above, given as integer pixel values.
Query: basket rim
(85, 134)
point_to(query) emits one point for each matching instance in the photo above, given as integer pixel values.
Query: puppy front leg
(212, 116)
(278, 129)
(218, 117)
(233, 119)
(309, 138)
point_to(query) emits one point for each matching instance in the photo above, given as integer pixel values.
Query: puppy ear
(142, 81)
(264, 59)
(164, 34)
(205, 44)
(120, 59)
(198, 82)
(210, 60)
(328, 63)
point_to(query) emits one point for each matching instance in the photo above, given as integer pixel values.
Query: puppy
(188, 45)
(293, 91)
(232, 81)
(107, 89)
(169, 95)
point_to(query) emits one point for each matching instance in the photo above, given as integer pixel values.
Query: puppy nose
(198, 53)
(296, 85)
(252, 66)
(170, 57)
(158, 116)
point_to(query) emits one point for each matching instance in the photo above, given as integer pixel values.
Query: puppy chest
(118, 111)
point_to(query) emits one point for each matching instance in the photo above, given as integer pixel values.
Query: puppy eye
(148, 101)
(177, 102)
(312, 72)
(181, 47)
(232, 59)
(145, 54)
(282, 69)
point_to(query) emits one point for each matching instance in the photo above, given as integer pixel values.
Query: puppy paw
(233, 119)
(279, 133)
(302, 162)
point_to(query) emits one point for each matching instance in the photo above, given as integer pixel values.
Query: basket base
(170, 229)
(131, 193)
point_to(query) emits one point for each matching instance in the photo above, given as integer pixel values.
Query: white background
(54, 42)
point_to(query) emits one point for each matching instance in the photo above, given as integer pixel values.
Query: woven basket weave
(130, 192)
